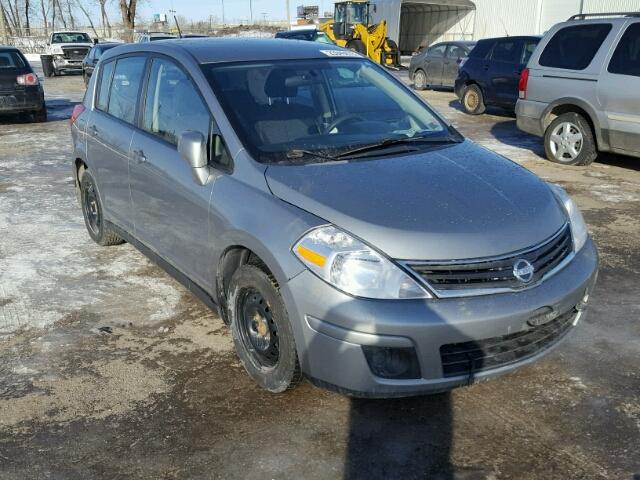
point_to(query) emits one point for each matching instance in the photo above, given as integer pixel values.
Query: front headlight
(353, 267)
(578, 227)
(57, 50)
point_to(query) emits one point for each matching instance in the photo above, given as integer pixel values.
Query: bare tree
(70, 13)
(106, 25)
(86, 14)
(128, 11)
(4, 25)
(56, 3)
(27, 27)
(45, 15)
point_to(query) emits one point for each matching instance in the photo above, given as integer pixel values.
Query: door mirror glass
(193, 148)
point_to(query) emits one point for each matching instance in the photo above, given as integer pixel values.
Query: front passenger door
(171, 211)
(434, 63)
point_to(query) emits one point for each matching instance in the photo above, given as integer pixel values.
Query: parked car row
(576, 87)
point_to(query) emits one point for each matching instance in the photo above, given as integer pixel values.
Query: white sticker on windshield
(340, 53)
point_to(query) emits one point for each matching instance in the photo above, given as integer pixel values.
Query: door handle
(140, 156)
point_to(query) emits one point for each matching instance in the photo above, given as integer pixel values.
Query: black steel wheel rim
(91, 208)
(258, 328)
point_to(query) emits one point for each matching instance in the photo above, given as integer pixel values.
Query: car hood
(449, 203)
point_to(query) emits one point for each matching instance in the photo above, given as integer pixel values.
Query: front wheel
(262, 334)
(420, 80)
(569, 140)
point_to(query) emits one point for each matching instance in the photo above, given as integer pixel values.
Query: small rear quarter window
(574, 47)
(481, 49)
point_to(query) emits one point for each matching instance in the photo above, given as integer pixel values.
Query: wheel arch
(575, 105)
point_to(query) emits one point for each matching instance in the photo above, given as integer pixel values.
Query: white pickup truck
(68, 49)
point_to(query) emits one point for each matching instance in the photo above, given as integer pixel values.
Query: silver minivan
(580, 90)
(343, 229)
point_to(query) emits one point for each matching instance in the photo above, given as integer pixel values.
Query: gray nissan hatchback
(343, 229)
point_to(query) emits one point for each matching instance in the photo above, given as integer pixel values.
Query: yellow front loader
(350, 28)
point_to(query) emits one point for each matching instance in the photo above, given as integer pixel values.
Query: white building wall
(498, 18)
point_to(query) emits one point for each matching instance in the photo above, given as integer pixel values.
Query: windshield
(70, 37)
(323, 106)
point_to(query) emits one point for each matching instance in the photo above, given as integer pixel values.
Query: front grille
(498, 272)
(470, 357)
(75, 53)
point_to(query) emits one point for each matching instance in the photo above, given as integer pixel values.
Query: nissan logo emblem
(523, 270)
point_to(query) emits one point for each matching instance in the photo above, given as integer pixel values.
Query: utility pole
(223, 13)
(288, 16)
(251, 12)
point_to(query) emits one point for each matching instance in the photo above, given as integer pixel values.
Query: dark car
(490, 75)
(437, 66)
(91, 60)
(310, 35)
(20, 89)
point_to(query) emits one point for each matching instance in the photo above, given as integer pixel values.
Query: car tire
(93, 212)
(357, 45)
(40, 116)
(569, 140)
(261, 330)
(472, 100)
(420, 80)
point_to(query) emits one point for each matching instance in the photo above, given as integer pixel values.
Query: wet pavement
(111, 369)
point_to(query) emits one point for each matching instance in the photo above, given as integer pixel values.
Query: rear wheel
(92, 212)
(473, 100)
(420, 80)
(261, 331)
(569, 140)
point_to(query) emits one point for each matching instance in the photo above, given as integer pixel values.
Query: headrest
(277, 86)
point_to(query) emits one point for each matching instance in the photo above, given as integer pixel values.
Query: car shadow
(57, 109)
(508, 133)
(621, 161)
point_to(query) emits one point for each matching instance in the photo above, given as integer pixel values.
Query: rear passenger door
(109, 131)
(434, 63)
(618, 88)
(504, 71)
(170, 209)
(452, 58)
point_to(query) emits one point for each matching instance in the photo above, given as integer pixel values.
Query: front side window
(172, 104)
(626, 57)
(106, 72)
(327, 107)
(125, 88)
(574, 47)
(456, 52)
(508, 51)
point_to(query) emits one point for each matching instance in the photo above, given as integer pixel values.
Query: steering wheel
(340, 120)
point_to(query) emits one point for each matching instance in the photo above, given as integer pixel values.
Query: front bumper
(331, 327)
(62, 63)
(529, 116)
(28, 100)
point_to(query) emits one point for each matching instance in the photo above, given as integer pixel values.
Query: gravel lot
(160, 394)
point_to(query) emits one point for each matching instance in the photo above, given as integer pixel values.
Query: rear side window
(456, 52)
(626, 58)
(11, 61)
(574, 47)
(508, 51)
(481, 49)
(102, 99)
(437, 51)
(125, 88)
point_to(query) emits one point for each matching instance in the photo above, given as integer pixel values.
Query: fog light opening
(392, 363)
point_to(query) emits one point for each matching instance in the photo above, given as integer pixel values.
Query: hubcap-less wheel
(420, 80)
(258, 328)
(566, 142)
(91, 208)
(471, 100)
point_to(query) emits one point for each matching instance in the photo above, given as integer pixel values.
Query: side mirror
(192, 146)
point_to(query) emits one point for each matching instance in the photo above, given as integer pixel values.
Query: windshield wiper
(387, 142)
(299, 153)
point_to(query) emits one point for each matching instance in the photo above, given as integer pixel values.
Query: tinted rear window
(574, 47)
(10, 60)
(626, 58)
(481, 49)
(508, 51)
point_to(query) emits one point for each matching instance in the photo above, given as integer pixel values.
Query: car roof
(239, 49)
(7, 48)
(513, 37)
(298, 31)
